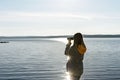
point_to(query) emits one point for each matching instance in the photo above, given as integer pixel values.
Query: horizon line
(56, 35)
(64, 36)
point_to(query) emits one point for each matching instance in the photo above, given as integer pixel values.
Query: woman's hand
(69, 42)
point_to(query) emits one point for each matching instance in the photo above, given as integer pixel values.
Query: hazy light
(67, 73)
(64, 40)
(68, 76)
(68, 57)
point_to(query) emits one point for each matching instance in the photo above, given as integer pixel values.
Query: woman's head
(78, 39)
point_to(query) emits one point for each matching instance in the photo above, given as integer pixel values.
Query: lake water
(38, 59)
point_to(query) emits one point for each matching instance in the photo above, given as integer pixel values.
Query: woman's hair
(78, 38)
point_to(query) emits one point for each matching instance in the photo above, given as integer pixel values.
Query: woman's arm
(67, 47)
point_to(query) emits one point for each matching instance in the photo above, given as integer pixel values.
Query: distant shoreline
(102, 36)
(64, 36)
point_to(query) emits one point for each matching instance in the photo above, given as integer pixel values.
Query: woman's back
(76, 53)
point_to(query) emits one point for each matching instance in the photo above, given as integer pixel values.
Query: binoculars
(70, 38)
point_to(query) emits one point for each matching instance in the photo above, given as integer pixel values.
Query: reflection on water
(67, 76)
(45, 60)
(64, 40)
(32, 60)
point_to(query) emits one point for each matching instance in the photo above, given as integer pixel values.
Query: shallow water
(45, 60)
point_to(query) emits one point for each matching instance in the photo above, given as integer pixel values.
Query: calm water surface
(45, 60)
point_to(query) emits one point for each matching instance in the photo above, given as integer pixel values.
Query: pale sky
(59, 17)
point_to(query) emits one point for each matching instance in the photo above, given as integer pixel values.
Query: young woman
(76, 53)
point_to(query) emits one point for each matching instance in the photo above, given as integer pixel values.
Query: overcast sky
(59, 17)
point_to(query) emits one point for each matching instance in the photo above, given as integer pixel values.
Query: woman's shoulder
(72, 48)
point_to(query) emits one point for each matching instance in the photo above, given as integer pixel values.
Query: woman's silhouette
(76, 53)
